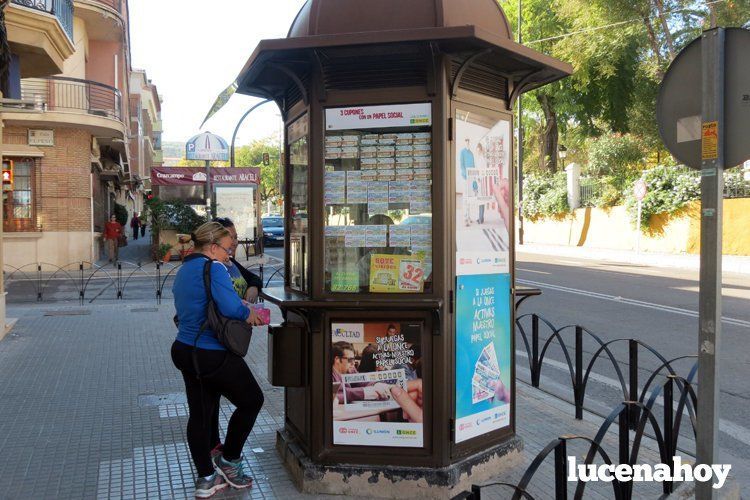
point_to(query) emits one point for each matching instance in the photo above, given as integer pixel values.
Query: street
(655, 305)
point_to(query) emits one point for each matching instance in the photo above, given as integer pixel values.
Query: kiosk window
(298, 228)
(378, 199)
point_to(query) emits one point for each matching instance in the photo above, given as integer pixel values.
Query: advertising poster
(367, 117)
(396, 273)
(483, 354)
(483, 194)
(376, 377)
(238, 203)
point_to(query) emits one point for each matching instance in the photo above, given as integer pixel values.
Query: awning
(22, 150)
(190, 176)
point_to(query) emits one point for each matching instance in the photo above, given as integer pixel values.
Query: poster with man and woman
(483, 320)
(376, 377)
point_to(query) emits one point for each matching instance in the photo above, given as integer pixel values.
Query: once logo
(200, 177)
(406, 433)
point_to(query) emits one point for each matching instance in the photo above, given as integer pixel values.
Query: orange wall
(101, 64)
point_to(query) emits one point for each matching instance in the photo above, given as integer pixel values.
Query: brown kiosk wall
(450, 55)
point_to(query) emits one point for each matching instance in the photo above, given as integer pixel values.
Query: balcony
(61, 9)
(71, 95)
(41, 33)
(104, 19)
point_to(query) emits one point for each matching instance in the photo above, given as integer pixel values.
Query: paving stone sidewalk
(92, 407)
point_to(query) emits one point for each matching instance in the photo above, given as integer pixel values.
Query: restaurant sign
(189, 176)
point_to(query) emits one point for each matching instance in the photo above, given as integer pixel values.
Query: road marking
(531, 271)
(728, 427)
(632, 302)
(726, 291)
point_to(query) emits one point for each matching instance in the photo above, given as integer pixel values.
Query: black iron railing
(635, 417)
(84, 280)
(61, 9)
(72, 94)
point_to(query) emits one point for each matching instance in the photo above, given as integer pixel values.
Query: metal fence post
(119, 280)
(80, 290)
(39, 282)
(561, 476)
(578, 387)
(623, 425)
(669, 430)
(158, 283)
(633, 389)
(535, 368)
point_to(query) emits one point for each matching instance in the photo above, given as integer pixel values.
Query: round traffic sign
(680, 102)
(640, 189)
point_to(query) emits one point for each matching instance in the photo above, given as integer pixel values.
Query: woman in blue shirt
(197, 351)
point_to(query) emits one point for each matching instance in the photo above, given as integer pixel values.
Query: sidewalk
(730, 263)
(92, 407)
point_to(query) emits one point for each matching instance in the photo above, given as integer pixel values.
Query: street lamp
(563, 153)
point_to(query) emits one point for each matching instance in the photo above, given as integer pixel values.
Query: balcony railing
(61, 9)
(71, 94)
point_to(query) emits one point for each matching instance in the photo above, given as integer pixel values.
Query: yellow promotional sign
(710, 141)
(396, 274)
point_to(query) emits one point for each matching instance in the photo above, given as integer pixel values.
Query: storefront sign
(483, 194)
(483, 355)
(376, 377)
(41, 137)
(367, 117)
(396, 273)
(189, 176)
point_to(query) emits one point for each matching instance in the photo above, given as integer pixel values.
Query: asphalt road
(655, 305)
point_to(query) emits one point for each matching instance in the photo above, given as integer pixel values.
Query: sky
(192, 50)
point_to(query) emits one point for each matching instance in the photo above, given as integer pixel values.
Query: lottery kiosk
(396, 349)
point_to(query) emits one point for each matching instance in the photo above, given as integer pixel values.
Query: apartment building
(68, 137)
(145, 131)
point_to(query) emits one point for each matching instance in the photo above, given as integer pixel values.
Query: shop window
(18, 195)
(378, 199)
(299, 258)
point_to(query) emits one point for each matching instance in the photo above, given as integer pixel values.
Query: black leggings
(231, 379)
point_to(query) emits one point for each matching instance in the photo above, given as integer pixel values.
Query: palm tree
(4, 50)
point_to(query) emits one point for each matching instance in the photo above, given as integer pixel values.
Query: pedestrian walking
(208, 369)
(113, 230)
(135, 225)
(143, 227)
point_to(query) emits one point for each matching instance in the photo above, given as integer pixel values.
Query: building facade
(68, 140)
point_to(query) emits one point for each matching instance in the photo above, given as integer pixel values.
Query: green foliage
(610, 154)
(175, 215)
(121, 213)
(669, 189)
(252, 156)
(545, 195)
(163, 249)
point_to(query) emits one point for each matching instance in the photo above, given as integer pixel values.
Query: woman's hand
(501, 192)
(253, 319)
(410, 400)
(251, 295)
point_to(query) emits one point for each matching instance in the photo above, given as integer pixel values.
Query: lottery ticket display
(378, 199)
(376, 377)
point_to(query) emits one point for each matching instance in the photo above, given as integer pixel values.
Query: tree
(270, 175)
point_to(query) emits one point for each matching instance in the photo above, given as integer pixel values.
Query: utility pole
(519, 143)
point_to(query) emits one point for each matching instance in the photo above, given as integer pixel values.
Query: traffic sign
(640, 189)
(680, 101)
(208, 147)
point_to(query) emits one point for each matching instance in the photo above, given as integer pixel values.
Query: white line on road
(728, 427)
(632, 302)
(531, 271)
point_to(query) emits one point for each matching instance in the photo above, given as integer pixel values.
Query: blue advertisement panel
(483, 354)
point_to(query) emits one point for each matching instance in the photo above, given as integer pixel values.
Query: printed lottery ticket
(382, 381)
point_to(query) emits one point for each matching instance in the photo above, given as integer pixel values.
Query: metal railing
(61, 9)
(85, 280)
(589, 189)
(634, 416)
(72, 94)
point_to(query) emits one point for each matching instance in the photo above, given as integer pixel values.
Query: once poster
(483, 193)
(396, 273)
(483, 354)
(376, 377)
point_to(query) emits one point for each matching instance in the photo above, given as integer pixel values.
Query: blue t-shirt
(467, 161)
(190, 300)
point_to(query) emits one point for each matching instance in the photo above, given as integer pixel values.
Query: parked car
(273, 231)
(418, 219)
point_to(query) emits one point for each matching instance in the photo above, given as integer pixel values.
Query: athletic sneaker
(206, 488)
(232, 472)
(217, 451)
